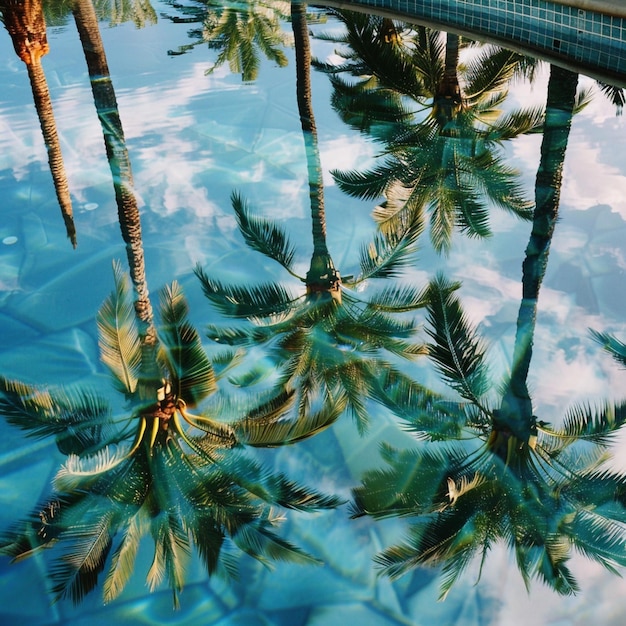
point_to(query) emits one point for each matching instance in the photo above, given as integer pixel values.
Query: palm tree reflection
(239, 32)
(328, 341)
(181, 477)
(25, 22)
(162, 471)
(503, 474)
(441, 123)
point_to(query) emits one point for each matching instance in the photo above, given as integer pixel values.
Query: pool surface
(198, 128)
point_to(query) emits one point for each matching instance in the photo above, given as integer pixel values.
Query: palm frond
(616, 348)
(369, 185)
(614, 94)
(424, 412)
(120, 345)
(259, 431)
(458, 352)
(172, 552)
(78, 419)
(78, 472)
(390, 252)
(397, 299)
(415, 483)
(87, 546)
(517, 122)
(191, 369)
(240, 301)
(599, 489)
(599, 539)
(260, 542)
(273, 488)
(123, 559)
(597, 425)
(262, 235)
(490, 71)
(208, 537)
(41, 528)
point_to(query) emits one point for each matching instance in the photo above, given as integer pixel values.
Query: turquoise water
(192, 139)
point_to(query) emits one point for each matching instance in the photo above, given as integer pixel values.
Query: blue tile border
(589, 41)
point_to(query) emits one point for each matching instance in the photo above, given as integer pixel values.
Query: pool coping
(603, 73)
(614, 8)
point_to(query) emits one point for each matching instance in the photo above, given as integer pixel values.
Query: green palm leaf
(208, 537)
(612, 345)
(123, 559)
(368, 185)
(244, 302)
(425, 413)
(78, 419)
(273, 488)
(518, 122)
(192, 372)
(80, 472)
(409, 486)
(491, 70)
(87, 546)
(599, 539)
(597, 425)
(260, 542)
(397, 299)
(457, 350)
(390, 252)
(266, 431)
(262, 235)
(120, 346)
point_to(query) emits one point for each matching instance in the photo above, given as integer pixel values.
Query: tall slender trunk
(559, 112)
(322, 275)
(119, 161)
(24, 20)
(448, 99)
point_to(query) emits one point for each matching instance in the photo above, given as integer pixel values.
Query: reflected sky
(193, 138)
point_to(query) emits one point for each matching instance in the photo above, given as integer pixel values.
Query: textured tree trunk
(26, 24)
(119, 161)
(322, 275)
(448, 99)
(559, 112)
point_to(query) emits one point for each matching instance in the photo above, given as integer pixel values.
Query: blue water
(192, 139)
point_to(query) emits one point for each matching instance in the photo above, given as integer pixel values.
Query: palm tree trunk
(448, 99)
(26, 24)
(119, 161)
(559, 112)
(322, 275)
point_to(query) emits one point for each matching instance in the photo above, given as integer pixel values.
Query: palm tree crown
(500, 475)
(440, 120)
(162, 471)
(238, 32)
(328, 341)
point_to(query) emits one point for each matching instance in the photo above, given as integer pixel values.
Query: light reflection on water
(194, 138)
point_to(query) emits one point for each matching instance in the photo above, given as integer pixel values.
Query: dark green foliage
(182, 479)
(441, 131)
(544, 496)
(328, 344)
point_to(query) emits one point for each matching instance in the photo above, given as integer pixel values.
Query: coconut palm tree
(441, 123)
(180, 477)
(25, 22)
(541, 490)
(328, 340)
(140, 12)
(494, 476)
(117, 155)
(239, 32)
